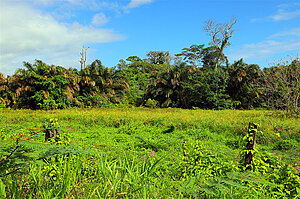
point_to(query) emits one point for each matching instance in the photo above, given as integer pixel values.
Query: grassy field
(147, 153)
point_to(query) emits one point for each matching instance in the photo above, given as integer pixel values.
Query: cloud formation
(265, 49)
(92, 5)
(285, 12)
(284, 15)
(282, 42)
(27, 33)
(99, 19)
(292, 32)
(137, 3)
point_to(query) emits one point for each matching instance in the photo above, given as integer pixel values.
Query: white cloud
(99, 19)
(292, 32)
(26, 34)
(285, 42)
(94, 5)
(285, 12)
(279, 44)
(264, 49)
(288, 5)
(137, 3)
(53, 2)
(284, 15)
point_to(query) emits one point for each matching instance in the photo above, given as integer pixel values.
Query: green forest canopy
(187, 80)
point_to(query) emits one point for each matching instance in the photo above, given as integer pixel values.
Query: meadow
(147, 153)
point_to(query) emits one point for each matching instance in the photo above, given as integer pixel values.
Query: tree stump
(51, 129)
(50, 133)
(252, 130)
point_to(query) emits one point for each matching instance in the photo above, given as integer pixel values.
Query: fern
(28, 147)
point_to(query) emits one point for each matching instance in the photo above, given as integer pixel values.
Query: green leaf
(2, 190)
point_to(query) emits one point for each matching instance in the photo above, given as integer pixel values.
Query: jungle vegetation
(187, 80)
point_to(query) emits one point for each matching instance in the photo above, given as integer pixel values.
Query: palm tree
(95, 79)
(4, 97)
(166, 87)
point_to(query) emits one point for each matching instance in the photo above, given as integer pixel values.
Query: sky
(55, 31)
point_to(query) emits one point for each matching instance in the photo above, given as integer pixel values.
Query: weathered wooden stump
(51, 129)
(252, 130)
(50, 133)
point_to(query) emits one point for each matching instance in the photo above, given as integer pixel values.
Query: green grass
(138, 153)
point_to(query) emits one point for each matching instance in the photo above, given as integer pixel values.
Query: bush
(151, 103)
(285, 145)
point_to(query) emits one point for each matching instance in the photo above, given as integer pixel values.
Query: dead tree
(220, 34)
(83, 57)
(252, 130)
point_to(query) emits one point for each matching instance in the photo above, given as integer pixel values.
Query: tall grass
(138, 153)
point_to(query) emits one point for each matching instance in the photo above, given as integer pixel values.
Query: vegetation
(147, 153)
(188, 82)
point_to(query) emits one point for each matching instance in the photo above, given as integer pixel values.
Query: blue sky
(55, 30)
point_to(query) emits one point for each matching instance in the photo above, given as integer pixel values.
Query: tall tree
(192, 55)
(210, 57)
(207, 89)
(220, 34)
(41, 86)
(137, 74)
(241, 84)
(105, 82)
(158, 57)
(166, 88)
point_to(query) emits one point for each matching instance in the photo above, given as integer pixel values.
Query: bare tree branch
(220, 34)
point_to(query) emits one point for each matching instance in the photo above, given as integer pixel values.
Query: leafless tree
(83, 57)
(279, 85)
(220, 34)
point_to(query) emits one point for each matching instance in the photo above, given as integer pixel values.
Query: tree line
(198, 77)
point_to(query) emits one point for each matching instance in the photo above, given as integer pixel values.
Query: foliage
(151, 103)
(53, 87)
(191, 79)
(158, 57)
(208, 89)
(280, 86)
(139, 153)
(242, 84)
(192, 55)
(137, 74)
(166, 88)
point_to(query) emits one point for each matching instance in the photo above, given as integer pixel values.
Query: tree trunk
(218, 60)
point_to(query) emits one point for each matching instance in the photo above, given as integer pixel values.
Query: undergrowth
(141, 153)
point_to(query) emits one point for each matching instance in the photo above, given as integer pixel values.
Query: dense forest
(194, 78)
